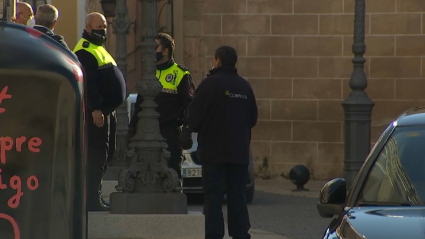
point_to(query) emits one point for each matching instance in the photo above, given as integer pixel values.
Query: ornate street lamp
(121, 25)
(357, 106)
(148, 186)
(108, 7)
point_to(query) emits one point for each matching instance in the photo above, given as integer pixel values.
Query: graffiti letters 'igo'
(16, 144)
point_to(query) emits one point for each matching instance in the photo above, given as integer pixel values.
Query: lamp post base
(148, 203)
(358, 110)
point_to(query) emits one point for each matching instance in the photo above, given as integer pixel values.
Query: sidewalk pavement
(257, 234)
(277, 186)
(284, 186)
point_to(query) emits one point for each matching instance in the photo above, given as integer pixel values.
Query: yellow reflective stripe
(165, 90)
(170, 78)
(99, 52)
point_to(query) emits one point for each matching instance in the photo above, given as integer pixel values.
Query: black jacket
(171, 107)
(223, 112)
(106, 86)
(51, 34)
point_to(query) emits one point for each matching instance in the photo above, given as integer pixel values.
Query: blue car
(386, 200)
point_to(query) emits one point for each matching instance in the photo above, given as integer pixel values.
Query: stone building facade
(297, 56)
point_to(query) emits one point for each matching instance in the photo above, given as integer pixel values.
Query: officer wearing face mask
(106, 91)
(172, 101)
(24, 14)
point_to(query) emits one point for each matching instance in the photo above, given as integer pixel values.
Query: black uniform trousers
(101, 147)
(112, 143)
(231, 179)
(171, 133)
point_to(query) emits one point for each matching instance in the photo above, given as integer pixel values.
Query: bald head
(95, 21)
(24, 12)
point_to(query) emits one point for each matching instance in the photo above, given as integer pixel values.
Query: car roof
(132, 98)
(413, 116)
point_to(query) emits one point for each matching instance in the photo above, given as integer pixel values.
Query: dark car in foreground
(386, 200)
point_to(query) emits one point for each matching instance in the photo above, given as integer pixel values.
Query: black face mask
(98, 36)
(159, 56)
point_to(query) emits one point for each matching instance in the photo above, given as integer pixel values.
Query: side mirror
(332, 198)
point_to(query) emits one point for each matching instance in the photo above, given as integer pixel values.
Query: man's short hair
(166, 41)
(227, 55)
(46, 15)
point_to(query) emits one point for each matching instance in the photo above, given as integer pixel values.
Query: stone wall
(297, 56)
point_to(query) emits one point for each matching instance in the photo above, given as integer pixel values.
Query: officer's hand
(98, 118)
(186, 141)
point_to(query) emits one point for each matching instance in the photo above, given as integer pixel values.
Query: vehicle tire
(250, 194)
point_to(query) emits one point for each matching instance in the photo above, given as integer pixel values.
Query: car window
(398, 175)
(132, 108)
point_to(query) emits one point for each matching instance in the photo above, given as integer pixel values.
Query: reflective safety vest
(104, 59)
(170, 78)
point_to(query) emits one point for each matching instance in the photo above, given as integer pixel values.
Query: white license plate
(192, 172)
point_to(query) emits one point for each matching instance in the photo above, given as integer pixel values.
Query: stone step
(103, 225)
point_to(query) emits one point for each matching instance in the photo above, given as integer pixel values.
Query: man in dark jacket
(106, 91)
(223, 112)
(46, 18)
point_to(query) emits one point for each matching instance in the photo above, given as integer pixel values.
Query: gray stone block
(112, 173)
(103, 225)
(108, 187)
(147, 203)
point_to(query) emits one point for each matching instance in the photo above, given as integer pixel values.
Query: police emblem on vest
(169, 78)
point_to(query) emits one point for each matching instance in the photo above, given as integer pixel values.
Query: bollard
(299, 175)
(42, 157)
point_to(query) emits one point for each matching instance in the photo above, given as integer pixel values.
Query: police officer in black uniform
(172, 102)
(106, 91)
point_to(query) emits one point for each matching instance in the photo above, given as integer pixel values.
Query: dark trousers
(112, 144)
(172, 135)
(231, 179)
(99, 149)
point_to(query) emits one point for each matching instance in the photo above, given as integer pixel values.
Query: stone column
(121, 25)
(8, 8)
(148, 186)
(357, 106)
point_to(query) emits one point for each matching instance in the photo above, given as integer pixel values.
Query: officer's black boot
(94, 179)
(100, 206)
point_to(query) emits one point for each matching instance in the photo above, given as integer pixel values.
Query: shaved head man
(96, 27)
(24, 14)
(106, 91)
